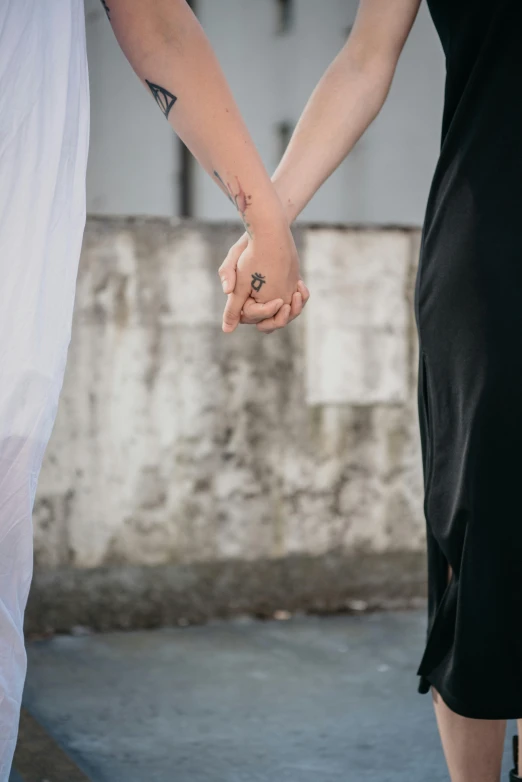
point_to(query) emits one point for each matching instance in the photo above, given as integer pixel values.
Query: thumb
(235, 303)
(233, 310)
(227, 270)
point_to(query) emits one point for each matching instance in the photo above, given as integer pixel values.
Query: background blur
(177, 447)
(291, 461)
(193, 476)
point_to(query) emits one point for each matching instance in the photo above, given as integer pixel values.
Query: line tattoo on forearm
(239, 198)
(163, 97)
(107, 9)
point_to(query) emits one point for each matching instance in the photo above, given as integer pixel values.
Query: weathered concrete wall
(192, 473)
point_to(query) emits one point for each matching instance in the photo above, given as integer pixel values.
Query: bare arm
(167, 48)
(346, 100)
(344, 103)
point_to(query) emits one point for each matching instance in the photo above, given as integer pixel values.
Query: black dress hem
(463, 710)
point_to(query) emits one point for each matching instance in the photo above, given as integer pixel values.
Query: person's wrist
(288, 204)
(266, 215)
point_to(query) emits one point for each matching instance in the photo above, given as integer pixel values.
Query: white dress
(44, 129)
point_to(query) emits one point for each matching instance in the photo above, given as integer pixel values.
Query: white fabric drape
(44, 128)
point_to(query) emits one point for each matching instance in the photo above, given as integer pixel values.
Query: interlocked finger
(254, 313)
(296, 307)
(279, 320)
(303, 290)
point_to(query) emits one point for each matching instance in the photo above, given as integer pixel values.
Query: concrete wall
(135, 157)
(192, 473)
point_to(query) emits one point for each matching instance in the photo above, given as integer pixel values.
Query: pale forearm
(346, 100)
(169, 51)
(341, 108)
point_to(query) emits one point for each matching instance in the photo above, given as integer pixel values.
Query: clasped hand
(260, 276)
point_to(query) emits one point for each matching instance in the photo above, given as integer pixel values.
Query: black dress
(468, 307)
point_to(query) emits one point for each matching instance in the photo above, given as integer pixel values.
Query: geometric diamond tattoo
(163, 97)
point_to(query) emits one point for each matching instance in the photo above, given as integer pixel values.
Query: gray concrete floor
(319, 699)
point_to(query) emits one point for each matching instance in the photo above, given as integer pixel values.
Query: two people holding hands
(46, 84)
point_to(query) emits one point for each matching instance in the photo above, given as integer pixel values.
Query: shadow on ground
(309, 699)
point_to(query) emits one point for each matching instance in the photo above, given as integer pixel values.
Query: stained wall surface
(179, 446)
